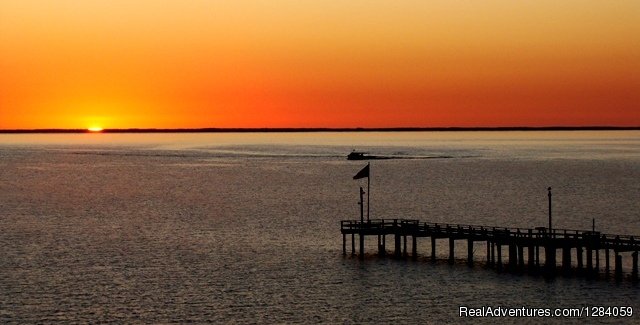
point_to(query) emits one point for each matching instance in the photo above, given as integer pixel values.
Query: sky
(299, 63)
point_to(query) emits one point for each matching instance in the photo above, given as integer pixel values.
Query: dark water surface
(244, 228)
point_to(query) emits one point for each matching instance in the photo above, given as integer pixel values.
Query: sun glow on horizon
(95, 129)
(122, 64)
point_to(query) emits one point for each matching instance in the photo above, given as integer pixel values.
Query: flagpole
(361, 203)
(368, 189)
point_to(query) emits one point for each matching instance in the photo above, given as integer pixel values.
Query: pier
(596, 254)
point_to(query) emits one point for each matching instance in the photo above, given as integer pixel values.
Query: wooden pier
(522, 246)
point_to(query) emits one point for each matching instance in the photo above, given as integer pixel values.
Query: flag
(363, 173)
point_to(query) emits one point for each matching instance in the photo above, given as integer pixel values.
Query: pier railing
(515, 238)
(419, 228)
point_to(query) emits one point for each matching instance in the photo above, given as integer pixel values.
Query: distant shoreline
(307, 130)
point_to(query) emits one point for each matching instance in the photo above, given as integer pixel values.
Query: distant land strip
(392, 129)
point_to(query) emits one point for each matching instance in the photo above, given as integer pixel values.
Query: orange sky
(297, 63)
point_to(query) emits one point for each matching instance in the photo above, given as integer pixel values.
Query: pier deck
(584, 245)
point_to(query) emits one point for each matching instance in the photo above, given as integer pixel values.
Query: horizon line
(326, 129)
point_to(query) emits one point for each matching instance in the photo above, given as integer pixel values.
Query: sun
(95, 129)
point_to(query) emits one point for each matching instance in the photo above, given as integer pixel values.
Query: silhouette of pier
(516, 250)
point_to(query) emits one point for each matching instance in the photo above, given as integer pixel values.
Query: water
(244, 228)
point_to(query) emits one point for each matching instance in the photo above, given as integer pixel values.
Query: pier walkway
(523, 245)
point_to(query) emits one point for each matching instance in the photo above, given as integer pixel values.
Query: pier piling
(488, 253)
(414, 247)
(634, 272)
(384, 244)
(499, 253)
(353, 244)
(396, 253)
(520, 258)
(532, 257)
(470, 252)
(618, 270)
(433, 248)
(513, 257)
(451, 250)
(550, 260)
(566, 260)
(579, 258)
(404, 246)
(607, 269)
(493, 254)
(497, 237)
(589, 261)
(361, 237)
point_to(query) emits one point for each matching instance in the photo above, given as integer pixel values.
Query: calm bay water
(244, 228)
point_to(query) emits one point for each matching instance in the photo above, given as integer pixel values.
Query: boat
(354, 155)
(357, 155)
